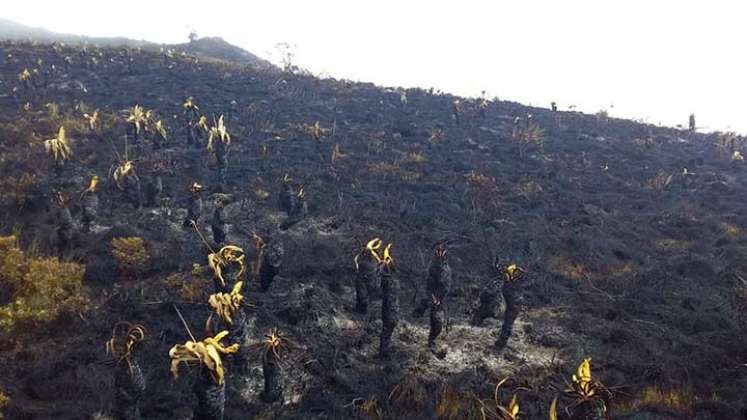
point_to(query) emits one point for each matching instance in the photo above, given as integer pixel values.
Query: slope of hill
(209, 47)
(632, 238)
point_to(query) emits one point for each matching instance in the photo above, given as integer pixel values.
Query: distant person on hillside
(692, 123)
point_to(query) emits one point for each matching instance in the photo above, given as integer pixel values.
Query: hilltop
(632, 238)
(215, 48)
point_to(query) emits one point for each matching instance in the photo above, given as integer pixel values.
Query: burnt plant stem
(592, 409)
(211, 397)
(129, 387)
(438, 314)
(361, 293)
(273, 378)
(90, 210)
(64, 232)
(238, 332)
(194, 210)
(218, 225)
(267, 273)
(389, 312)
(511, 299)
(488, 303)
(270, 262)
(366, 276)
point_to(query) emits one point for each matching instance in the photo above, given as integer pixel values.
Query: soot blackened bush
(194, 205)
(366, 274)
(591, 399)
(511, 290)
(438, 286)
(292, 202)
(129, 380)
(218, 223)
(389, 303)
(137, 121)
(218, 141)
(153, 190)
(489, 300)
(229, 315)
(191, 118)
(211, 396)
(268, 261)
(229, 263)
(272, 350)
(210, 385)
(90, 204)
(286, 197)
(65, 226)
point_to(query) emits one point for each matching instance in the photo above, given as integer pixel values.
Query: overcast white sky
(650, 59)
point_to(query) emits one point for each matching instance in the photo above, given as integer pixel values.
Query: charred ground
(631, 259)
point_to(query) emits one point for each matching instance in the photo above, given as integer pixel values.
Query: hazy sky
(653, 60)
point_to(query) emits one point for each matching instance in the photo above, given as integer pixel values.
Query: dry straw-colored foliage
(41, 288)
(130, 254)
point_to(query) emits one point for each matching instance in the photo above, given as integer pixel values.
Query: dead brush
(125, 336)
(93, 184)
(218, 132)
(740, 296)
(137, 119)
(728, 143)
(530, 135)
(58, 147)
(437, 136)
(193, 290)
(92, 119)
(367, 275)
(271, 351)
(131, 255)
(495, 410)
(18, 191)
(161, 131)
(202, 124)
(206, 353)
(337, 154)
(129, 381)
(484, 191)
(41, 289)
(259, 247)
(210, 385)
(124, 170)
(528, 190)
(190, 106)
(227, 255)
(410, 394)
(316, 132)
(372, 248)
(275, 345)
(25, 78)
(367, 407)
(660, 181)
(590, 397)
(455, 405)
(225, 305)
